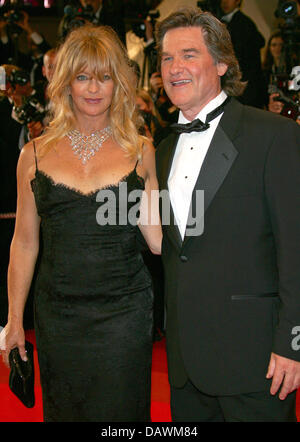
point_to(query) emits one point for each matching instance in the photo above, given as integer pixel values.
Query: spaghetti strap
(36, 165)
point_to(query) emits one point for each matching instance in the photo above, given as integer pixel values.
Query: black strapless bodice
(93, 304)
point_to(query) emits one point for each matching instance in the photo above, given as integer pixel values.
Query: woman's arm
(149, 221)
(23, 254)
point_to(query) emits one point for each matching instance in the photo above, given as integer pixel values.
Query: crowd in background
(25, 110)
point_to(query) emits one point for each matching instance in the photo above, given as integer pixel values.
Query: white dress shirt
(228, 17)
(190, 152)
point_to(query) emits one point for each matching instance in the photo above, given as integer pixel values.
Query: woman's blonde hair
(98, 49)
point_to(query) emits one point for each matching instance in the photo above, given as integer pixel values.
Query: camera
(287, 84)
(290, 30)
(76, 17)
(30, 110)
(12, 17)
(286, 9)
(138, 26)
(18, 77)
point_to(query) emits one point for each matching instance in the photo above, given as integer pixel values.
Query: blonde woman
(93, 302)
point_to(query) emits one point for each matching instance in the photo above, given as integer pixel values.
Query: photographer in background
(13, 23)
(98, 12)
(140, 41)
(14, 80)
(166, 109)
(29, 105)
(247, 42)
(38, 46)
(284, 90)
(9, 155)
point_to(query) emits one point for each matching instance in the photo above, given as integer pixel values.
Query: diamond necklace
(85, 146)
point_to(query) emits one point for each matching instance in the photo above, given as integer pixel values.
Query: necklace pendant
(85, 146)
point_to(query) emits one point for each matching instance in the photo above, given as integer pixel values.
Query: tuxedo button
(183, 258)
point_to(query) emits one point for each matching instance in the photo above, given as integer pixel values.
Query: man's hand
(285, 372)
(24, 23)
(156, 82)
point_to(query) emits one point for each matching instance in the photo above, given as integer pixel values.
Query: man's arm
(282, 183)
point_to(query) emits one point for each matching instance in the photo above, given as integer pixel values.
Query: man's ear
(222, 69)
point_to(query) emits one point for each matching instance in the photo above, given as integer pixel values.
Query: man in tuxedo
(232, 288)
(247, 43)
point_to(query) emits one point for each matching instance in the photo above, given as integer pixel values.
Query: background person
(98, 12)
(247, 42)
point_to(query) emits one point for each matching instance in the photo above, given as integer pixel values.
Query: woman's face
(91, 97)
(276, 46)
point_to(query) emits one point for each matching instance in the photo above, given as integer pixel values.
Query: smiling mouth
(180, 82)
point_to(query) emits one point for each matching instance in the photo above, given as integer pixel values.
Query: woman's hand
(10, 337)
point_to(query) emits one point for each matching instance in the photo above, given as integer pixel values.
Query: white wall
(262, 13)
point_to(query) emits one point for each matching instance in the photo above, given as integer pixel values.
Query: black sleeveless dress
(92, 306)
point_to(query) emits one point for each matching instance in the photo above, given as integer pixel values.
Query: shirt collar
(228, 17)
(215, 102)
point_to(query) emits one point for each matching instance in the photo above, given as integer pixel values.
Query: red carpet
(12, 410)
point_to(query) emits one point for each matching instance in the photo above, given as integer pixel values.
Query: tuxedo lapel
(218, 161)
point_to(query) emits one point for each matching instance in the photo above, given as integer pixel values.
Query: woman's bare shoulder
(27, 158)
(148, 152)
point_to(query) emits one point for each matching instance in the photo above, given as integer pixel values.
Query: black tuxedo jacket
(233, 292)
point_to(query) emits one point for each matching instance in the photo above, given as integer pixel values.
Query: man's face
(191, 77)
(228, 6)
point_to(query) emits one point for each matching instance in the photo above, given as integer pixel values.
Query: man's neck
(201, 113)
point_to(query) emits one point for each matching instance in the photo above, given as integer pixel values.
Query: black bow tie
(197, 125)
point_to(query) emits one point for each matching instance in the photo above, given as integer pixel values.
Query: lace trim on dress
(78, 191)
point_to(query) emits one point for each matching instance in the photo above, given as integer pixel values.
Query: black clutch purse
(21, 376)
